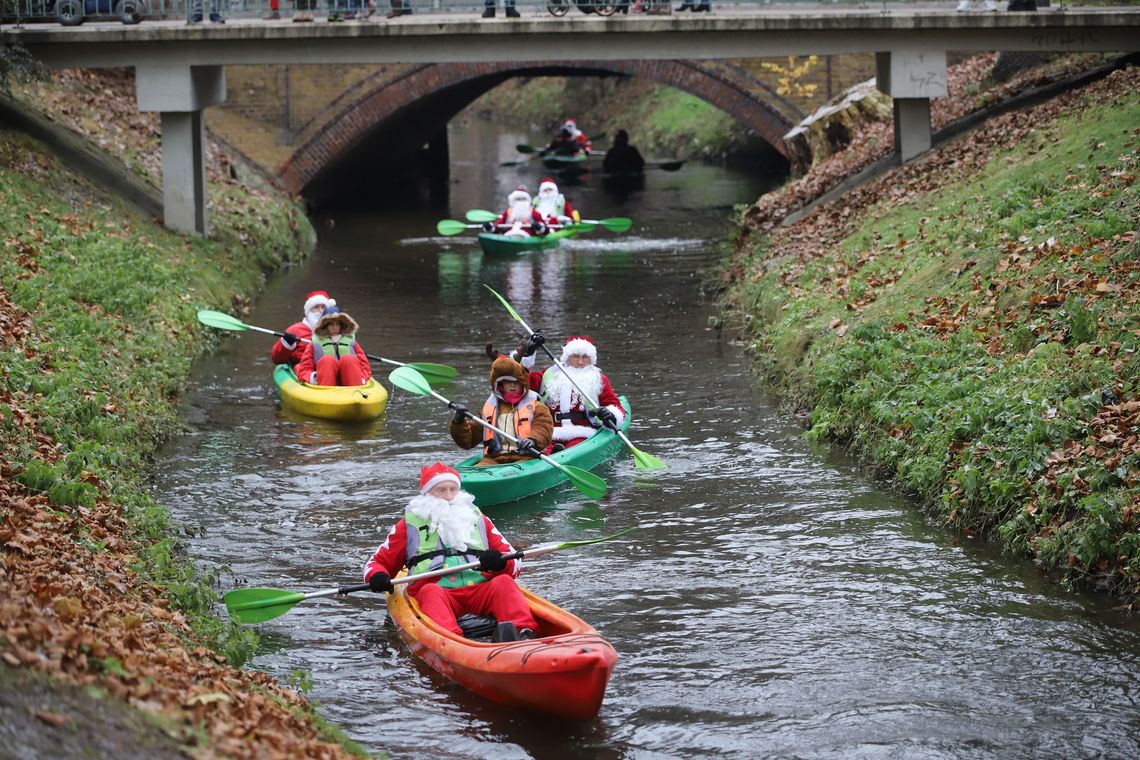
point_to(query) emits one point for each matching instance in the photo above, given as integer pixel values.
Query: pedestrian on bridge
(195, 8)
(508, 9)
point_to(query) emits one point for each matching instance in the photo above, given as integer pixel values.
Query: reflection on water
(773, 602)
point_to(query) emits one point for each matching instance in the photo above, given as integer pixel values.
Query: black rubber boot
(511, 12)
(504, 631)
(488, 13)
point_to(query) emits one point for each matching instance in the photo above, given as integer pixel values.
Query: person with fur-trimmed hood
(290, 347)
(520, 219)
(574, 422)
(334, 357)
(513, 408)
(442, 527)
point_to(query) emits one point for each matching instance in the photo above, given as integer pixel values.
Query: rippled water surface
(775, 602)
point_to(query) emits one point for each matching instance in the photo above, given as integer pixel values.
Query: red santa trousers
(345, 371)
(499, 597)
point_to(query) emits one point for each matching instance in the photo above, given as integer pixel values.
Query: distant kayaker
(442, 527)
(568, 141)
(623, 158)
(334, 357)
(573, 420)
(553, 205)
(513, 408)
(520, 219)
(291, 346)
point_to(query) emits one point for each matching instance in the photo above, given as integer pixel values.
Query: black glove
(379, 582)
(529, 346)
(288, 339)
(608, 418)
(491, 559)
(488, 226)
(528, 448)
(460, 412)
(538, 228)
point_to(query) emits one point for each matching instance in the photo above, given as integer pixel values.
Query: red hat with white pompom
(579, 345)
(318, 298)
(438, 473)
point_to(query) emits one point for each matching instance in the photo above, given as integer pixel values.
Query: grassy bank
(99, 332)
(970, 324)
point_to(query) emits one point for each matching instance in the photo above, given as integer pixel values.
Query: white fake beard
(312, 319)
(547, 205)
(454, 520)
(561, 391)
(520, 212)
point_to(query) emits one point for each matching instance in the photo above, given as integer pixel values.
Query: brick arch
(356, 117)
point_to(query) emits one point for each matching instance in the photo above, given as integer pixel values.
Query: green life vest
(342, 345)
(426, 552)
(559, 205)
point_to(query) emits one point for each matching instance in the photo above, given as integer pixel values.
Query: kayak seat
(477, 626)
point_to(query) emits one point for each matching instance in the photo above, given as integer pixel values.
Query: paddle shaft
(306, 340)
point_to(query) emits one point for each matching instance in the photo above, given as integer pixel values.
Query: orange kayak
(563, 672)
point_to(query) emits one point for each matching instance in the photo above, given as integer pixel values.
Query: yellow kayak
(331, 402)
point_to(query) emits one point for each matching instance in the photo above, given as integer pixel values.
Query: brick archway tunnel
(379, 131)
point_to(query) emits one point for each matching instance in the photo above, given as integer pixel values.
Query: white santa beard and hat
(456, 520)
(317, 297)
(547, 197)
(560, 391)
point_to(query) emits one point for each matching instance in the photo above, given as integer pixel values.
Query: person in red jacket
(520, 219)
(334, 357)
(442, 527)
(574, 421)
(291, 347)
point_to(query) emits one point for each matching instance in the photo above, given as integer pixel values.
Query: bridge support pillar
(911, 78)
(180, 93)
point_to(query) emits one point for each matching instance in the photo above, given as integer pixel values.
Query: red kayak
(563, 672)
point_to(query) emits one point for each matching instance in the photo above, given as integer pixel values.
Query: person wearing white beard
(442, 527)
(574, 421)
(520, 219)
(289, 348)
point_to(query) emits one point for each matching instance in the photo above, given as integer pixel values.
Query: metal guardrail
(75, 12)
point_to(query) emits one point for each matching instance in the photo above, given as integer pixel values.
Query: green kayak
(572, 164)
(500, 483)
(499, 245)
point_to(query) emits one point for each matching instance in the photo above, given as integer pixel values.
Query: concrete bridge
(180, 70)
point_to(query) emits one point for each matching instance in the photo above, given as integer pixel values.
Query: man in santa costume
(334, 357)
(513, 408)
(442, 527)
(520, 219)
(574, 421)
(553, 204)
(291, 346)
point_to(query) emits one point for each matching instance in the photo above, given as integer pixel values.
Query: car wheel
(69, 12)
(130, 11)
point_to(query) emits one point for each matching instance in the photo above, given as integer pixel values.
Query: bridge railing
(75, 12)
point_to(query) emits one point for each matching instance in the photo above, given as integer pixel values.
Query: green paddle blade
(584, 480)
(584, 542)
(256, 605)
(450, 227)
(510, 309)
(527, 149)
(480, 216)
(644, 461)
(220, 321)
(616, 223)
(408, 379)
(434, 373)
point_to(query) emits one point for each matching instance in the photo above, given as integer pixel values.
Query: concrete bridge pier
(911, 78)
(179, 92)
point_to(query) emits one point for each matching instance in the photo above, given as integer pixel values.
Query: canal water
(775, 600)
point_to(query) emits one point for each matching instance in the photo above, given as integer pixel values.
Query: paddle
(641, 460)
(615, 223)
(538, 151)
(584, 480)
(256, 605)
(440, 373)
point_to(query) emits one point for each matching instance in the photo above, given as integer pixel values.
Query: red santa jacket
(281, 355)
(503, 223)
(393, 553)
(305, 368)
(575, 428)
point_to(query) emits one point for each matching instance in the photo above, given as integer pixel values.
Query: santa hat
(519, 194)
(438, 473)
(318, 297)
(547, 183)
(580, 344)
(570, 124)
